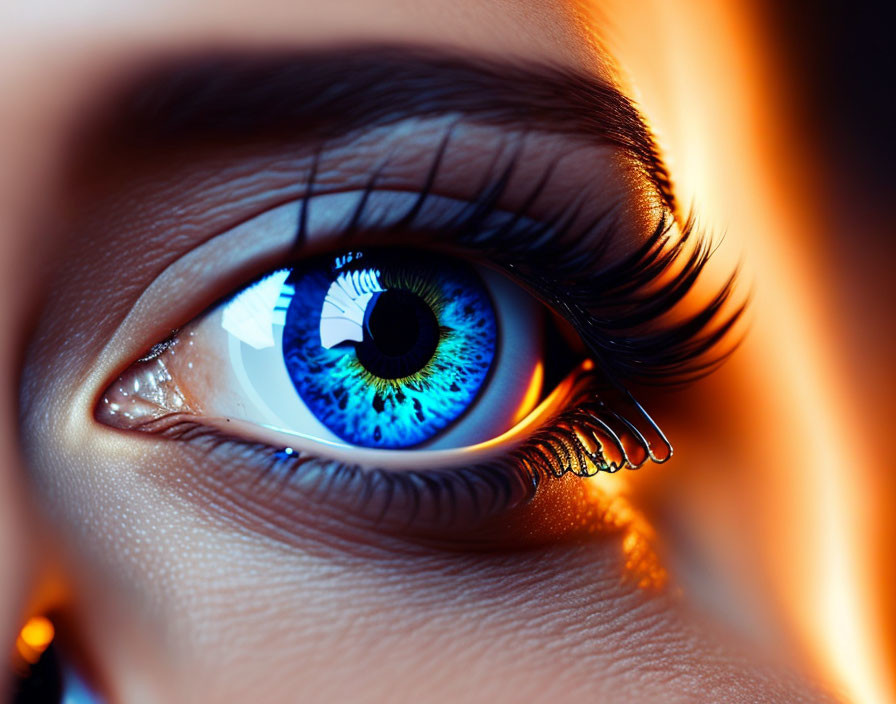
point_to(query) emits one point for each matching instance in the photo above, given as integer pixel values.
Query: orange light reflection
(607, 492)
(532, 393)
(34, 638)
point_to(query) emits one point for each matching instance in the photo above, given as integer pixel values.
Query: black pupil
(394, 324)
(401, 334)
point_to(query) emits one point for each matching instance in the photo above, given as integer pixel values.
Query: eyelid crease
(328, 93)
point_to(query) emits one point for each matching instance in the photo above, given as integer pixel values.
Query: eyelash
(615, 310)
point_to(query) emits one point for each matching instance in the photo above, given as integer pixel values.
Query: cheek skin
(218, 609)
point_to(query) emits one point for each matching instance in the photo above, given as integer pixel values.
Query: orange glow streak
(34, 638)
(537, 416)
(725, 122)
(532, 393)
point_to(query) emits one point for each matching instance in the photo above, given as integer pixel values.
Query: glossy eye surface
(382, 349)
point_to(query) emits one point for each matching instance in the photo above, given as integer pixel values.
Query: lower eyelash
(587, 438)
(400, 499)
(592, 435)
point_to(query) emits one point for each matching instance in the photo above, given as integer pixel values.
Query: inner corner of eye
(146, 391)
(386, 349)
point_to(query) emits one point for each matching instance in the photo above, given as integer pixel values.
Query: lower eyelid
(432, 489)
(275, 489)
(278, 440)
(254, 484)
(439, 495)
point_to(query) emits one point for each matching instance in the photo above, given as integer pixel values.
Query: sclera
(215, 374)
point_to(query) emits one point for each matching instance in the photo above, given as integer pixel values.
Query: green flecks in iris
(374, 412)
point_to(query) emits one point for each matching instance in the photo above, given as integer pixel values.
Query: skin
(177, 594)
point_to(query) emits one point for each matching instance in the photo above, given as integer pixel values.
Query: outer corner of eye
(391, 349)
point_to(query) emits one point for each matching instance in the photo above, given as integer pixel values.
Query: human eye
(430, 342)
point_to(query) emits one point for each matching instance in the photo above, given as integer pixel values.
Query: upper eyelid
(283, 222)
(225, 188)
(586, 178)
(210, 260)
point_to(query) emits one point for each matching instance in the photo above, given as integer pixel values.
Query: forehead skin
(201, 613)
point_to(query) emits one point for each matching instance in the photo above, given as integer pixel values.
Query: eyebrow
(325, 94)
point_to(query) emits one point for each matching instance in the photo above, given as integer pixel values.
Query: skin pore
(181, 591)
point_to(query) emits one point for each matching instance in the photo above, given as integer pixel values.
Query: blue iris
(387, 348)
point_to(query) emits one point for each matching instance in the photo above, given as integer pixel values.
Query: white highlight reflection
(342, 314)
(250, 316)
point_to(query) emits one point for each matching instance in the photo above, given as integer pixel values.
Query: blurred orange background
(776, 124)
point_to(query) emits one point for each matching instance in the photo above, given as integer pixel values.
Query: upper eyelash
(616, 309)
(617, 312)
